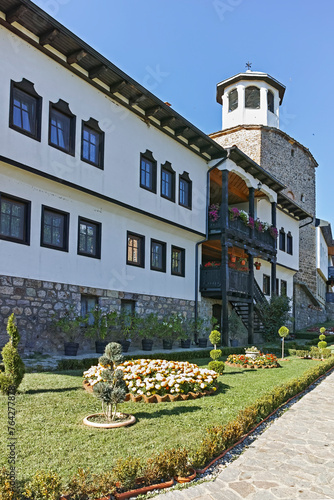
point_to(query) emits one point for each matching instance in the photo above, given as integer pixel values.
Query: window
(289, 243)
(128, 307)
(88, 304)
(25, 109)
(158, 256)
(252, 98)
(266, 284)
(270, 101)
(92, 143)
(62, 127)
(167, 181)
(135, 250)
(284, 287)
(148, 171)
(54, 231)
(89, 240)
(178, 261)
(14, 219)
(185, 188)
(277, 286)
(233, 100)
(282, 240)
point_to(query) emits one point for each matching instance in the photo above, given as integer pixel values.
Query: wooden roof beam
(181, 130)
(205, 149)
(48, 37)
(152, 110)
(193, 140)
(116, 87)
(137, 99)
(98, 71)
(76, 56)
(16, 14)
(166, 122)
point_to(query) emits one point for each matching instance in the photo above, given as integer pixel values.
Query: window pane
(60, 130)
(12, 221)
(184, 192)
(166, 183)
(270, 101)
(252, 98)
(90, 146)
(157, 255)
(53, 229)
(233, 100)
(24, 111)
(146, 176)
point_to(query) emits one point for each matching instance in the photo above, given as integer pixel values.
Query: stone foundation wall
(35, 302)
(305, 313)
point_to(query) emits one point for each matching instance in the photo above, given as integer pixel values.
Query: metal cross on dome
(248, 65)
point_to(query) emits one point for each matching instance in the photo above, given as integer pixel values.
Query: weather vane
(248, 65)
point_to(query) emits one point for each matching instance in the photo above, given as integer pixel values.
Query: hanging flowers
(214, 212)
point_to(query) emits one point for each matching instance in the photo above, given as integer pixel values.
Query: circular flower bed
(261, 361)
(158, 379)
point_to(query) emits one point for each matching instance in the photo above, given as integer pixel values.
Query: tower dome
(250, 98)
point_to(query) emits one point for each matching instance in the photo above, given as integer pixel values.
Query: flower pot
(251, 354)
(233, 258)
(186, 479)
(243, 262)
(202, 342)
(100, 346)
(125, 344)
(71, 348)
(257, 267)
(185, 344)
(147, 344)
(110, 425)
(167, 344)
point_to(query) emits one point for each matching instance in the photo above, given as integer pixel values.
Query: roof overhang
(250, 76)
(292, 208)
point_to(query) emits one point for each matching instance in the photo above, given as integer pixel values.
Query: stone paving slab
(292, 459)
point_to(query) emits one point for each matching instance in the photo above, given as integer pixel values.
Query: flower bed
(261, 361)
(146, 378)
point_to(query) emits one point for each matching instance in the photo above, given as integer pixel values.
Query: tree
(14, 369)
(273, 314)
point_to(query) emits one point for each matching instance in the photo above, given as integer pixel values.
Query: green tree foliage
(13, 373)
(274, 313)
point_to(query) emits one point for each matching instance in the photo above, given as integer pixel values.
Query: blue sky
(180, 50)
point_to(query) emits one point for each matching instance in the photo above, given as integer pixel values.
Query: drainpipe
(307, 223)
(220, 162)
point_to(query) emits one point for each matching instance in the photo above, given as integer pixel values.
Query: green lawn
(51, 406)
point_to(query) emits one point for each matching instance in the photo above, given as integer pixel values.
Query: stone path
(292, 459)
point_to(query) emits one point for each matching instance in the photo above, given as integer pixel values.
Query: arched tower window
(270, 101)
(233, 100)
(252, 97)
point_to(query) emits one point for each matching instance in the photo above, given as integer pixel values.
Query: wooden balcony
(210, 282)
(238, 230)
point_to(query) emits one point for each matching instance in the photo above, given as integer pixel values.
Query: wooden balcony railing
(210, 281)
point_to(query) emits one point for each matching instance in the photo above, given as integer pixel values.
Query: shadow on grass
(240, 372)
(62, 389)
(176, 410)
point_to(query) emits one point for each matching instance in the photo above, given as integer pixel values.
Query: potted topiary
(70, 325)
(322, 344)
(99, 323)
(215, 354)
(111, 391)
(13, 369)
(283, 332)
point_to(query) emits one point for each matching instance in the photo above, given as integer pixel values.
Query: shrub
(274, 313)
(215, 354)
(217, 366)
(6, 487)
(125, 472)
(13, 364)
(303, 353)
(83, 485)
(160, 467)
(44, 485)
(316, 353)
(214, 338)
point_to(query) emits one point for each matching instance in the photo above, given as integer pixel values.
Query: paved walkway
(292, 459)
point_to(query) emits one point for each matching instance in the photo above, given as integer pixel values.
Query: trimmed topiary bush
(13, 374)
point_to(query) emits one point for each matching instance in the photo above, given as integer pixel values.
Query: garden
(168, 437)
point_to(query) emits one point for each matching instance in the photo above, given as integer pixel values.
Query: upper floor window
(62, 127)
(270, 101)
(14, 219)
(252, 97)
(282, 240)
(289, 243)
(148, 171)
(54, 231)
(92, 143)
(178, 261)
(167, 181)
(89, 239)
(135, 250)
(185, 190)
(25, 109)
(233, 100)
(158, 255)
(266, 284)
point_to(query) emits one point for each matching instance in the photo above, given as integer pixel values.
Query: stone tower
(250, 104)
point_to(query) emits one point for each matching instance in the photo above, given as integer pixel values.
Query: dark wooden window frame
(167, 167)
(28, 88)
(271, 101)
(66, 216)
(98, 225)
(249, 89)
(284, 286)
(234, 105)
(93, 125)
(148, 156)
(282, 240)
(26, 227)
(266, 284)
(185, 177)
(141, 239)
(183, 257)
(63, 108)
(161, 269)
(289, 243)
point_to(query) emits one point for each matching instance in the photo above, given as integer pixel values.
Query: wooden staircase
(241, 308)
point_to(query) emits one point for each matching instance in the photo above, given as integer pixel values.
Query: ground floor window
(88, 304)
(266, 284)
